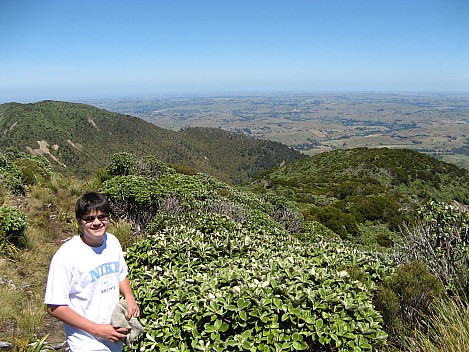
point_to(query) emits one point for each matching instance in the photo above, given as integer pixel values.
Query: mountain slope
(346, 187)
(80, 139)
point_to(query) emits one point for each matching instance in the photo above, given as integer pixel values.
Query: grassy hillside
(80, 139)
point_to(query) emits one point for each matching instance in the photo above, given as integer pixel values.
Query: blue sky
(68, 50)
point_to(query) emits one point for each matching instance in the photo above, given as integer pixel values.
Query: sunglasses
(100, 217)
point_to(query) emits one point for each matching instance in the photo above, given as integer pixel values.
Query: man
(86, 275)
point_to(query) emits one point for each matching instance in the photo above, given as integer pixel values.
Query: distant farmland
(437, 124)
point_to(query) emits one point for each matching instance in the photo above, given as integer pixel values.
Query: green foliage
(215, 285)
(285, 213)
(140, 198)
(440, 238)
(131, 198)
(10, 175)
(318, 230)
(343, 224)
(379, 185)
(13, 222)
(405, 298)
(376, 234)
(37, 346)
(122, 164)
(373, 208)
(79, 139)
(18, 170)
(217, 269)
(151, 166)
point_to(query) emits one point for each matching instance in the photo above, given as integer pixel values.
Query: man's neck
(92, 242)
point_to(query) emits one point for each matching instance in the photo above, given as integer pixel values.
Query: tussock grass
(123, 231)
(23, 275)
(8, 307)
(21, 311)
(32, 313)
(448, 328)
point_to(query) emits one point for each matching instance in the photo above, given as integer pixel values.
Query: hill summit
(343, 189)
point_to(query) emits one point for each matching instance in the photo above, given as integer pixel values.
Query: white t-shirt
(87, 280)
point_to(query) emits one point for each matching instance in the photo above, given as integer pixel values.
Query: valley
(437, 124)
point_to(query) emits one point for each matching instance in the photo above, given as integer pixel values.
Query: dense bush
(34, 171)
(344, 224)
(153, 189)
(214, 285)
(372, 184)
(373, 208)
(122, 164)
(405, 299)
(10, 175)
(18, 170)
(13, 222)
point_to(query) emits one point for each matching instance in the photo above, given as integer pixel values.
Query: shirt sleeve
(58, 284)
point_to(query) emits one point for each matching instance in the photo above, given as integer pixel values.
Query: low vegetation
(346, 189)
(215, 267)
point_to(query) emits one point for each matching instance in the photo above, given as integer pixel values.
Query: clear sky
(73, 49)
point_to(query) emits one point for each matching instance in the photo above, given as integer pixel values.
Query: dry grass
(23, 273)
(123, 231)
(448, 329)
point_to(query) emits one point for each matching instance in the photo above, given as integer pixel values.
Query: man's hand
(110, 333)
(133, 310)
(104, 331)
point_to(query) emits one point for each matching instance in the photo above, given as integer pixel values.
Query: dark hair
(91, 201)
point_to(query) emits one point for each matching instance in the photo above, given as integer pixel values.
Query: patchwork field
(437, 124)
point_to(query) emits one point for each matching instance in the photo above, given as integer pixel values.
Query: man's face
(94, 225)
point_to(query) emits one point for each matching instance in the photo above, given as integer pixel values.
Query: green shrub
(131, 197)
(214, 285)
(13, 222)
(405, 298)
(150, 166)
(313, 229)
(386, 302)
(341, 223)
(11, 175)
(122, 164)
(373, 208)
(372, 234)
(217, 270)
(18, 169)
(33, 171)
(384, 240)
(102, 175)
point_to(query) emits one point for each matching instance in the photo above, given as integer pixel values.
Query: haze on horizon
(71, 50)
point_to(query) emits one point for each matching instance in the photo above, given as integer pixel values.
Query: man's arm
(69, 316)
(132, 307)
